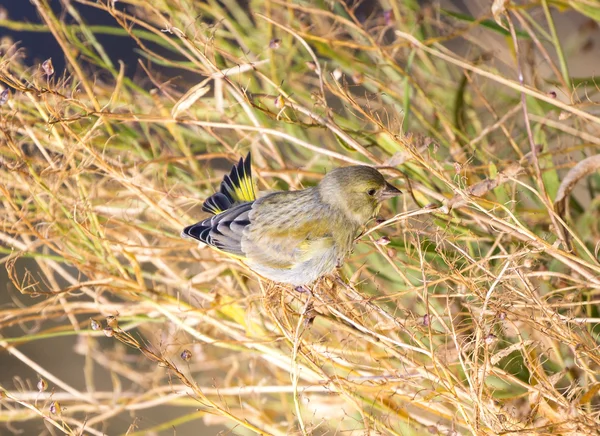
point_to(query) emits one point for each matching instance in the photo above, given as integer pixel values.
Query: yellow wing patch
(312, 248)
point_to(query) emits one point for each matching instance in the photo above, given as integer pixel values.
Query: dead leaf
(590, 394)
(578, 172)
(190, 97)
(479, 189)
(498, 10)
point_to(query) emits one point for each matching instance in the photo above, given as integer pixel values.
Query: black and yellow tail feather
(231, 209)
(237, 187)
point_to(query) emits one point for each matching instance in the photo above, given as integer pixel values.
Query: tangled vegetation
(469, 307)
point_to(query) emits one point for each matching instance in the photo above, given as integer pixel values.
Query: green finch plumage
(291, 237)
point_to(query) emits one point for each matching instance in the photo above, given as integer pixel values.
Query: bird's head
(357, 191)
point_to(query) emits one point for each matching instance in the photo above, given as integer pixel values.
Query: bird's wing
(236, 188)
(223, 231)
(283, 233)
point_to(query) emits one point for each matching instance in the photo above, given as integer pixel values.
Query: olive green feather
(295, 236)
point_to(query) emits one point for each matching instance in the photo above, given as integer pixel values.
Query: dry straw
(471, 307)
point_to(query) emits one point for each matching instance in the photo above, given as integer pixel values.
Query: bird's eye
(371, 192)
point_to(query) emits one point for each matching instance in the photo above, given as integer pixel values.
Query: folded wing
(283, 232)
(223, 231)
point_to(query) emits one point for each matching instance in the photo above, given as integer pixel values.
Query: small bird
(292, 237)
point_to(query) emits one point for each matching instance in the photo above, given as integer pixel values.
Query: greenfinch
(292, 237)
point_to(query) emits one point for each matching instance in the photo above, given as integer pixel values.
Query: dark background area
(40, 46)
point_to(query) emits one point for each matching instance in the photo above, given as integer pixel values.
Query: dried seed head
(309, 315)
(42, 385)
(112, 321)
(426, 320)
(4, 96)
(279, 102)
(383, 241)
(55, 408)
(47, 67)
(186, 355)
(564, 115)
(490, 339)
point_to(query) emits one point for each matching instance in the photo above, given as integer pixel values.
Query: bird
(291, 237)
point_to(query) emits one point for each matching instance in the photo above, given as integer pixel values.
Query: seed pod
(42, 385)
(47, 67)
(186, 355)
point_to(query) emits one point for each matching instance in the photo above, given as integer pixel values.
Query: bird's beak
(389, 192)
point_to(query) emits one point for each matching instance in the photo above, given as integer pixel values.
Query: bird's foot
(302, 289)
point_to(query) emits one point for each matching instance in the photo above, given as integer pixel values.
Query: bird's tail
(237, 187)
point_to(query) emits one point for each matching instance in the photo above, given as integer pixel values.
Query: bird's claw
(302, 289)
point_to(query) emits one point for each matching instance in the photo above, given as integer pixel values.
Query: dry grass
(472, 309)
